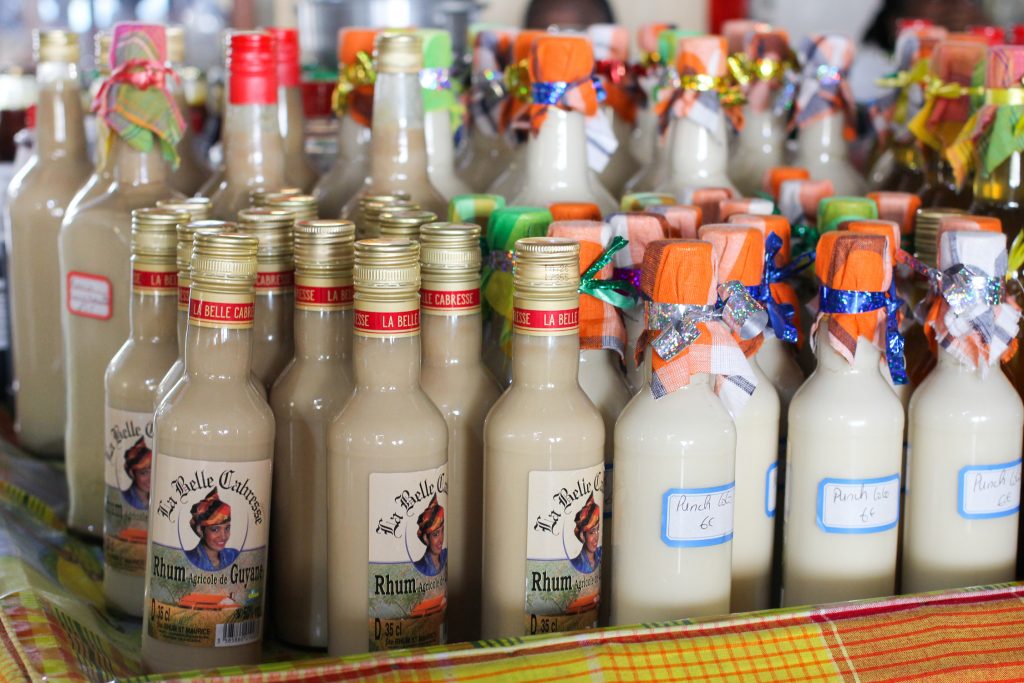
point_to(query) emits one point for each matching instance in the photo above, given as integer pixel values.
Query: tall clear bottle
(208, 531)
(845, 446)
(543, 462)
(398, 151)
(387, 471)
(192, 171)
(131, 382)
(456, 381)
(254, 155)
(307, 396)
(298, 169)
(95, 256)
(37, 198)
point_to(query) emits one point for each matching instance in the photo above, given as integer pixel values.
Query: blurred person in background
(570, 14)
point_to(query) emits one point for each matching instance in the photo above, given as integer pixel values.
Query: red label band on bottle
(183, 293)
(387, 323)
(222, 311)
(316, 298)
(434, 301)
(269, 282)
(540, 322)
(159, 282)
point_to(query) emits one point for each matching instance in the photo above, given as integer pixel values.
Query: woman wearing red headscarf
(211, 522)
(588, 531)
(430, 531)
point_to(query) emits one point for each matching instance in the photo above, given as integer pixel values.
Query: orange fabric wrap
(352, 41)
(775, 176)
(514, 109)
(568, 59)
(571, 211)
(738, 251)
(682, 219)
(887, 229)
(639, 229)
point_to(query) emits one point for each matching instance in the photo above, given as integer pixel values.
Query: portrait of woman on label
(588, 531)
(138, 464)
(430, 531)
(211, 522)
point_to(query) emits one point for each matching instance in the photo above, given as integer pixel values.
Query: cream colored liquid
(621, 165)
(456, 381)
(543, 421)
(367, 438)
(760, 145)
(253, 157)
(298, 171)
(131, 382)
(305, 399)
(757, 454)
(483, 160)
(954, 536)
(348, 173)
(215, 415)
(685, 440)
(634, 320)
(512, 180)
(777, 360)
(177, 369)
(192, 172)
(844, 423)
(643, 140)
(37, 198)
(273, 343)
(94, 239)
(824, 152)
(655, 172)
(695, 159)
(437, 131)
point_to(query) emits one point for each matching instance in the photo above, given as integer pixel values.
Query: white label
(90, 296)
(564, 537)
(859, 506)
(207, 574)
(128, 469)
(693, 518)
(988, 491)
(771, 487)
(408, 573)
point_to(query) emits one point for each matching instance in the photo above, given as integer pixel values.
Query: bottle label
(184, 291)
(442, 298)
(209, 551)
(323, 293)
(694, 518)
(563, 549)
(859, 506)
(546, 318)
(90, 296)
(408, 577)
(155, 280)
(989, 491)
(275, 279)
(771, 489)
(392, 319)
(215, 309)
(127, 472)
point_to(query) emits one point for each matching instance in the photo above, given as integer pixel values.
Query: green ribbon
(805, 237)
(618, 293)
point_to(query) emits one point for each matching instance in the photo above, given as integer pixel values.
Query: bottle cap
(887, 229)
(926, 229)
(834, 210)
(399, 52)
(154, 233)
(755, 205)
(286, 52)
(175, 44)
(352, 41)
(325, 246)
(260, 195)
(370, 208)
(897, 206)
(252, 64)
(707, 200)
(303, 206)
(638, 201)
(55, 45)
(850, 261)
(575, 211)
(273, 229)
(387, 268)
(102, 42)
(967, 224)
(474, 208)
(186, 237)
(738, 251)
(775, 176)
(198, 208)
(679, 272)
(224, 262)
(546, 268)
(450, 251)
(404, 223)
(708, 51)
(768, 225)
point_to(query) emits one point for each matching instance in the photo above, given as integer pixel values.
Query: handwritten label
(989, 491)
(90, 296)
(859, 506)
(698, 517)
(771, 487)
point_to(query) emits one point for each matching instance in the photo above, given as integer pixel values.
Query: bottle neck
(323, 335)
(291, 120)
(440, 147)
(826, 136)
(133, 167)
(695, 151)
(353, 140)
(398, 155)
(60, 133)
(253, 148)
(152, 317)
(386, 363)
(217, 351)
(452, 341)
(948, 364)
(557, 155)
(865, 363)
(545, 362)
(1004, 186)
(763, 127)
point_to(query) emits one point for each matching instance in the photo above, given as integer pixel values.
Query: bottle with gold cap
(371, 206)
(37, 198)
(675, 452)
(96, 130)
(305, 399)
(298, 169)
(273, 341)
(544, 494)
(387, 471)
(404, 223)
(456, 381)
(302, 206)
(845, 446)
(131, 381)
(210, 501)
(192, 172)
(253, 148)
(398, 152)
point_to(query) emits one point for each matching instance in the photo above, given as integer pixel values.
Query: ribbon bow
(964, 287)
(745, 68)
(618, 293)
(937, 88)
(142, 74)
(356, 75)
(729, 94)
(780, 314)
(855, 301)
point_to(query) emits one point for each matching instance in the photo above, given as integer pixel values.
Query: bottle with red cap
(298, 170)
(254, 154)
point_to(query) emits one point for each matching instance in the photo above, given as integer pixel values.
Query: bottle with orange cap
(611, 55)
(298, 171)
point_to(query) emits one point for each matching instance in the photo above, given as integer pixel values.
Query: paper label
(323, 294)
(209, 309)
(553, 318)
(563, 549)
(771, 488)
(989, 491)
(859, 506)
(210, 527)
(438, 299)
(127, 472)
(377, 319)
(184, 291)
(155, 280)
(90, 296)
(693, 518)
(408, 573)
(274, 281)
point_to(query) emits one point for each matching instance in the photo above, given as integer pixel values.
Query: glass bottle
(543, 462)
(440, 112)
(192, 171)
(130, 383)
(387, 476)
(37, 198)
(456, 381)
(298, 170)
(307, 396)
(102, 177)
(95, 274)
(611, 54)
(404, 223)
(211, 477)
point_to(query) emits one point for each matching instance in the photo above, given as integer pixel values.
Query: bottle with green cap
(442, 113)
(474, 208)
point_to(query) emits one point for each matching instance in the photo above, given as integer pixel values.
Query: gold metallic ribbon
(745, 69)
(350, 77)
(729, 93)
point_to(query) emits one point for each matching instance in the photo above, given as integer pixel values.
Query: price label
(698, 517)
(989, 491)
(771, 487)
(859, 506)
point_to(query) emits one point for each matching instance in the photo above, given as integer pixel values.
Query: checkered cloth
(941, 117)
(639, 229)
(611, 52)
(738, 251)
(823, 85)
(891, 112)
(770, 94)
(699, 56)
(771, 181)
(756, 205)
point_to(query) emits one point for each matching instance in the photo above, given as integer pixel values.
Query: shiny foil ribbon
(780, 314)
(552, 93)
(436, 78)
(630, 275)
(618, 293)
(350, 77)
(729, 94)
(964, 287)
(851, 301)
(500, 260)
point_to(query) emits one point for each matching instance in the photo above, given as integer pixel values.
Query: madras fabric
(575, 211)
(773, 62)
(611, 51)
(983, 335)
(639, 201)
(756, 205)
(773, 178)
(707, 199)
(639, 229)
(700, 56)
(799, 199)
(474, 208)
(682, 219)
(355, 50)
(515, 110)
(492, 53)
(738, 31)
(834, 210)
(563, 59)
(823, 86)
(853, 262)
(134, 100)
(738, 251)
(967, 222)
(684, 272)
(899, 207)
(601, 325)
(891, 112)
(941, 117)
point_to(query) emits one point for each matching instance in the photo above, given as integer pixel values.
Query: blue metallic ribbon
(854, 301)
(780, 314)
(554, 92)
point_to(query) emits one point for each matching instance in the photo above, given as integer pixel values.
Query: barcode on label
(238, 633)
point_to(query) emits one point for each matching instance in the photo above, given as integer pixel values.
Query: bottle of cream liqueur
(543, 461)
(387, 471)
(209, 524)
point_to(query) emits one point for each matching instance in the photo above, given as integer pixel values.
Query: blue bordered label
(859, 506)
(989, 491)
(693, 518)
(771, 487)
